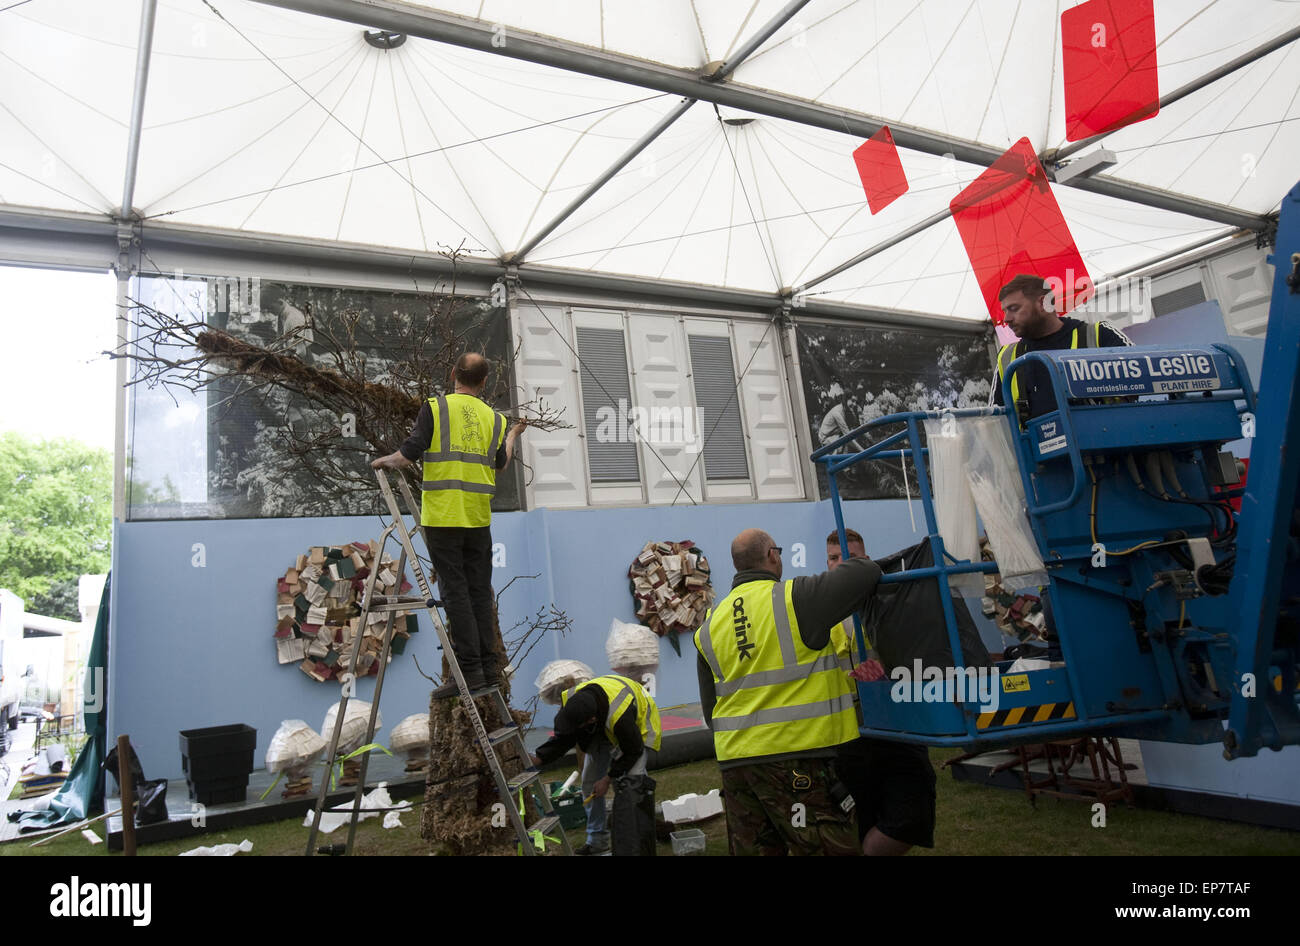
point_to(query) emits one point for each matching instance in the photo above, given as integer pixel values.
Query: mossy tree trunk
(460, 792)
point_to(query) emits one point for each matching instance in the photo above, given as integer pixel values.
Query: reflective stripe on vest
(622, 695)
(458, 485)
(775, 695)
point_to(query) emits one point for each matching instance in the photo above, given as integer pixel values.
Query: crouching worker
(616, 724)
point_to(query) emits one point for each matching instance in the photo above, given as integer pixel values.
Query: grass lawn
(972, 819)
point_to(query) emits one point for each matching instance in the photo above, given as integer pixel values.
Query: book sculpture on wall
(670, 583)
(318, 611)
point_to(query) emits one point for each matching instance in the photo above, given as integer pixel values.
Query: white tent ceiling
(261, 119)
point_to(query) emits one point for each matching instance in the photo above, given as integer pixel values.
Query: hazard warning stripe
(1025, 714)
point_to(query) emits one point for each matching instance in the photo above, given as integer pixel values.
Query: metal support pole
(142, 57)
(680, 109)
(913, 230)
(641, 144)
(758, 39)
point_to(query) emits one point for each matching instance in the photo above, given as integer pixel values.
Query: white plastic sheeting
(954, 507)
(264, 120)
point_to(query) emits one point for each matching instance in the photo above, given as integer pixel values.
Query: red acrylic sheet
(1108, 58)
(1010, 224)
(881, 170)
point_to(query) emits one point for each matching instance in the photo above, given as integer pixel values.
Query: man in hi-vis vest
(463, 442)
(779, 700)
(1028, 308)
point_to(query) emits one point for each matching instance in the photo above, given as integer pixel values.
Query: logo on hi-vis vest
(469, 428)
(743, 644)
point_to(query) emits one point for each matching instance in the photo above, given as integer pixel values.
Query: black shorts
(892, 784)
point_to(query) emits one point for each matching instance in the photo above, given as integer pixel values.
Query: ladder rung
(417, 604)
(522, 779)
(498, 736)
(406, 599)
(545, 825)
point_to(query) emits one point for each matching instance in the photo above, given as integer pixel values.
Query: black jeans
(462, 559)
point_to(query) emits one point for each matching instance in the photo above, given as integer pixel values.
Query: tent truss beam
(1214, 75)
(97, 238)
(680, 109)
(144, 55)
(531, 47)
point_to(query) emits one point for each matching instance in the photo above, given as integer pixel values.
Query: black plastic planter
(217, 762)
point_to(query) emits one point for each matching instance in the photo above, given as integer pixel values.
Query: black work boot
(473, 679)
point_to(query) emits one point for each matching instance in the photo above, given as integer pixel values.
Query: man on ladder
(463, 443)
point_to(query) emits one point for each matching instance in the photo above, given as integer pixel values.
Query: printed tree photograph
(854, 375)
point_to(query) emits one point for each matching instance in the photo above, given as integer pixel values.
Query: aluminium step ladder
(372, 603)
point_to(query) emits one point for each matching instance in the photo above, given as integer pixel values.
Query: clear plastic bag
(293, 746)
(558, 676)
(632, 646)
(410, 733)
(355, 721)
(954, 508)
(1000, 499)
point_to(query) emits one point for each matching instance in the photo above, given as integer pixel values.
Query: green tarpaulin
(83, 792)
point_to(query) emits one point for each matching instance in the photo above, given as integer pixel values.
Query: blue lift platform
(1187, 630)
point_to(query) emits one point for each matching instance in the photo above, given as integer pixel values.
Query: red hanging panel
(881, 170)
(1108, 58)
(1010, 223)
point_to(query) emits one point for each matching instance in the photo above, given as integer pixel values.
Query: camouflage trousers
(781, 808)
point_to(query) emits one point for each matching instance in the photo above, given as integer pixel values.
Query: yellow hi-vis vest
(775, 695)
(845, 641)
(459, 472)
(1019, 349)
(625, 695)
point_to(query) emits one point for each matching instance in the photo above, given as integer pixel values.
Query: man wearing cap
(463, 443)
(616, 724)
(779, 700)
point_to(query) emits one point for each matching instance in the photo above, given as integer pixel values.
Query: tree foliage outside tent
(56, 520)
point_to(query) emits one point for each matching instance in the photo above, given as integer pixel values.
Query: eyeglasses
(776, 549)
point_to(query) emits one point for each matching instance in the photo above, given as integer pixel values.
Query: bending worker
(779, 701)
(616, 724)
(463, 443)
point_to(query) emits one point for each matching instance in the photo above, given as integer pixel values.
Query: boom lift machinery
(1177, 617)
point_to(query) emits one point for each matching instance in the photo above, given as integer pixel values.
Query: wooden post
(128, 794)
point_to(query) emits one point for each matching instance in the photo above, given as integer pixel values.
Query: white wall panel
(766, 406)
(546, 369)
(1243, 283)
(661, 387)
(602, 493)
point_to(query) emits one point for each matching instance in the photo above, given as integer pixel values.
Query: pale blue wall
(192, 647)
(1269, 776)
